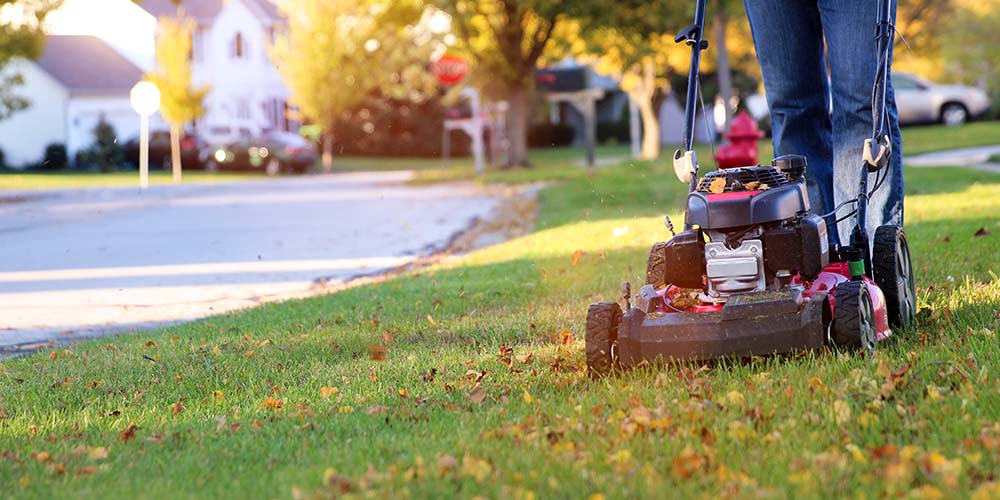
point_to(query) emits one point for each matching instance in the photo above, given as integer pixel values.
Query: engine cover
(732, 271)
(746, 196)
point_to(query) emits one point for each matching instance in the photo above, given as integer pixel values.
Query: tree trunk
(722, 63)
(327, 152)
(642, 96)
(650, 130)
(518, 154)
(175, 151)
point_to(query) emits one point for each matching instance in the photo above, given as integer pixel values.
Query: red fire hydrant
(741, 151)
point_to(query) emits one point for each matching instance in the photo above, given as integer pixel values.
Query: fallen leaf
(178, 407)
(273, 404)
(3, 414)
(218, 396)
(127, 433)
(97, 453)
(325, 392)
(718, 185)
(9, 455)
(525, 359)
(446, 463)
(338, 484)
(687, 463)
(751, 186)
(377, 409)
(430, 319)
(577, 255)
(982, 232)
(41, 456)
(841, 412)
(527, 398)
(376, 352)
(86, 471)
(477, 395)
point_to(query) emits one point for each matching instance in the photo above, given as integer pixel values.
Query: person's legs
(789, 41)
(849, 26)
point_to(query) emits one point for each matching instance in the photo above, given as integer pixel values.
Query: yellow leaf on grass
(325, 392)
(218, 396)
(430, 319)
(97, 453)
(841, 412)
(527, 398)
(577, 255)
(735, 398)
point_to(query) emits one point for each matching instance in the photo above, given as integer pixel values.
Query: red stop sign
(450, 69)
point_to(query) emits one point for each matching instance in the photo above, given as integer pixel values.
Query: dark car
(159, 150)
(271, 153)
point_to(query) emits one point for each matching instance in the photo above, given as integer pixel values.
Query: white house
(77, 80)
(109, 44)
(230, 53)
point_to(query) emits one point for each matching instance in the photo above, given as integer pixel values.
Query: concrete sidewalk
(978, 157)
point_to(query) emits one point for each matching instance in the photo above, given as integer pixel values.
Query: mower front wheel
(656, 266)
(853, 317)
(893, 272)
(603, 319)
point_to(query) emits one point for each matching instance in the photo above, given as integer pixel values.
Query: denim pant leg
(849, 26)
(788, 36)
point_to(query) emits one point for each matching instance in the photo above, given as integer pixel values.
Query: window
(239, 46)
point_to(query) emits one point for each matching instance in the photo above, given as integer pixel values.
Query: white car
(918, 101)
(922, 101)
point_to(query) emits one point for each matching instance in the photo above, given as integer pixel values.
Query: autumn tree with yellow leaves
(181, 101)
(334, 54)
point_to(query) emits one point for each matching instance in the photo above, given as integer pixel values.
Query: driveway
(83, 263)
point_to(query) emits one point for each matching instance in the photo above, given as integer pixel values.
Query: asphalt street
(83, 263)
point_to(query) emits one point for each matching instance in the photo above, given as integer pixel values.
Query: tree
(20, 37)
(335, 53)
(969, 45)
(180, 102)
(505, 39)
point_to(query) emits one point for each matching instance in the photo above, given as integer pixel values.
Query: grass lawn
(13, 180)
(468, 379)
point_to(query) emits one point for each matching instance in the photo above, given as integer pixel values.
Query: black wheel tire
(656, 266)
(603, 319)
(954, 114)
(853, 317)
(893, 272)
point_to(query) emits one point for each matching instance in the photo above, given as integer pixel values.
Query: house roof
(204, 11)
(86, 65)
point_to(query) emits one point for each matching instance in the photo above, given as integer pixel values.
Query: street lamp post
(145, 99)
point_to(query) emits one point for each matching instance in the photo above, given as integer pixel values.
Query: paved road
(978, 157)
(83, 263)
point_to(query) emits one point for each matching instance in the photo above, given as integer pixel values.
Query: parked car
(918, 101)
(272, 153)
(922, 101)
(159, 150)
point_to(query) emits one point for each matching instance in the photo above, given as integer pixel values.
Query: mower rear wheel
(853, 317)
(893, 272)
(656, 266)
(603, 319)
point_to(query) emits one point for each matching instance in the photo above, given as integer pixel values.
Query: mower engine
(754, 233)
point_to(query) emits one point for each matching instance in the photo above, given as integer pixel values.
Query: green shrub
(56, 157)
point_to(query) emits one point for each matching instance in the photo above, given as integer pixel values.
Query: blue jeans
(789, 36)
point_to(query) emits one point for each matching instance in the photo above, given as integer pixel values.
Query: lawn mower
(753, 272)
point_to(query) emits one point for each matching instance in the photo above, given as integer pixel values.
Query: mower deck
(773, 324)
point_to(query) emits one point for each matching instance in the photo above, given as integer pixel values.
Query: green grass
(817, 425)
(13, 180)
(928, 138)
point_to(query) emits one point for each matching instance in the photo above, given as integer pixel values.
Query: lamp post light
(145, 99)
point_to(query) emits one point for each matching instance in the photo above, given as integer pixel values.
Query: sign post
(145, 100)
(450, 70)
